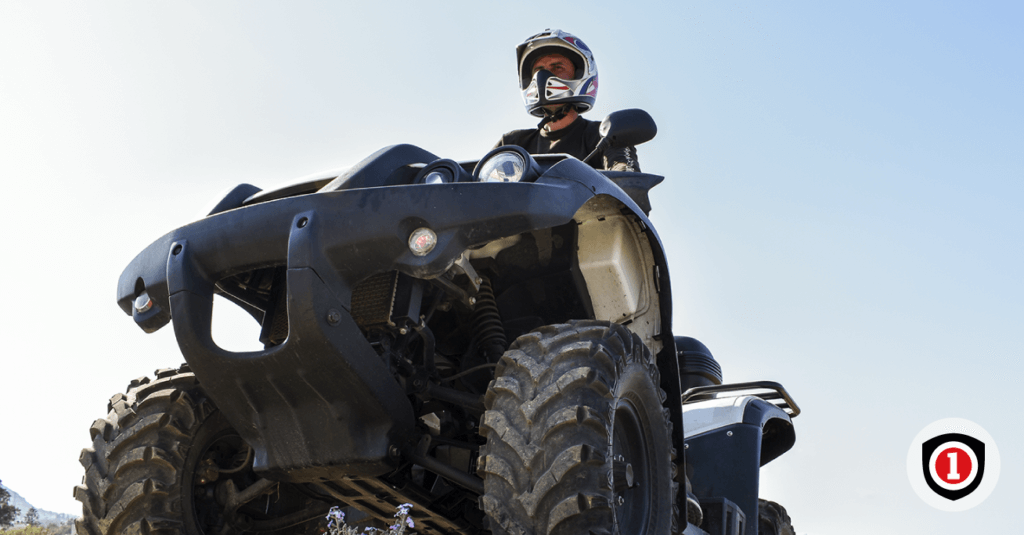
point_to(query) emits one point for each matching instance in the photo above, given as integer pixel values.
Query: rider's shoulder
(516, 137)
(592, 127)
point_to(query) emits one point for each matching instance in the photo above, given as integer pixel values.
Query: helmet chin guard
(543, 88)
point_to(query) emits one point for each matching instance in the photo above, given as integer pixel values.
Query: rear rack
(776, 394)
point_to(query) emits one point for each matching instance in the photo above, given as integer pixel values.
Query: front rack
(776, 394)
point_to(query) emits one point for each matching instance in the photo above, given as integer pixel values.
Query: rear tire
(578, 440)
(772, 519)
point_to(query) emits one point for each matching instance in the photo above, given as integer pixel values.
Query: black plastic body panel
(777, 433)
(636, 185)
(726, 462)
(321, 404)
(379, 169)
(235, 198)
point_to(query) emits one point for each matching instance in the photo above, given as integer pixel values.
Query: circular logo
(953, 464)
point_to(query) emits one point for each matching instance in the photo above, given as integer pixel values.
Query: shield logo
(953, 464)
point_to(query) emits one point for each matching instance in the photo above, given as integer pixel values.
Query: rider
(558, 79)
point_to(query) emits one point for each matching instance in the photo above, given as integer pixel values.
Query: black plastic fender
(726, 460)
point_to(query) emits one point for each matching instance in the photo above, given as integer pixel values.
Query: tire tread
(547, 426)
(131, 471)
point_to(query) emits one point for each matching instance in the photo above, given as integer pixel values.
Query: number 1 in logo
(953, 475)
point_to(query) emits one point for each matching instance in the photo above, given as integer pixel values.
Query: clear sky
(842, 204)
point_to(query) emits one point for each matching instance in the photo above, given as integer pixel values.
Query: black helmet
(542, 88)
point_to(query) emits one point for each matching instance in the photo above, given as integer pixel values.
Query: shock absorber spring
(490, 332)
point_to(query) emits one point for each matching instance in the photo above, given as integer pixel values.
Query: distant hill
(45, 517)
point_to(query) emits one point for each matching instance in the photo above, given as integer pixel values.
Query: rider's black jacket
(578, 139)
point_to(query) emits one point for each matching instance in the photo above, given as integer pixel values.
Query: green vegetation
(8, 512)
(67, 528)
(28, 530)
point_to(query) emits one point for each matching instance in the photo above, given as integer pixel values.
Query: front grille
(373, 300)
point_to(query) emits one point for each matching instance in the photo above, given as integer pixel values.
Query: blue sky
(842, 203)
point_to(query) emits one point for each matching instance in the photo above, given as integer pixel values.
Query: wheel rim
(632, 470)
(224, 457)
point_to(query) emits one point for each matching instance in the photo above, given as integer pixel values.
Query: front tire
(161, 462)
(578, 440)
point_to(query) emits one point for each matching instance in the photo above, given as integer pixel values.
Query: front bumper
(322, 404)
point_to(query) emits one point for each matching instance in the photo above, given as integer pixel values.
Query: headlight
(507, 164)
(441, 172)
(503, 167)
(438, 176)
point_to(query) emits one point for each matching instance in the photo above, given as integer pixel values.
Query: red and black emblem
(953, 464)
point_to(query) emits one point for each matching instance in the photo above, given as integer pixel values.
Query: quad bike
(387, 299)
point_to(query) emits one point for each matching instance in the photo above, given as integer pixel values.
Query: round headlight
(440, 172)
(503, 167)
(437, 176)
